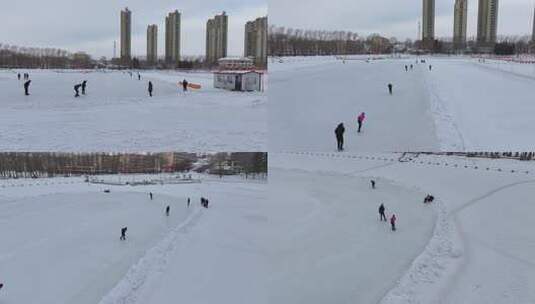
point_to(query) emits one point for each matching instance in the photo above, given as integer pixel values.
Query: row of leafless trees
(34, 165)
(12, 56)
(16, 164)
(284, 41)
(505, 45)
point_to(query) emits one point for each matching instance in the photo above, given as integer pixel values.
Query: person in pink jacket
(360, 120)
(393, 222)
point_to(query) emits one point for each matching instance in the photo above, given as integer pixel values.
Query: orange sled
(191, 85)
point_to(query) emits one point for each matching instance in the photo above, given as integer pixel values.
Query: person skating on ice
(339, 132)
(150, 88)
(76, 89)
(360, 120)
(382, 215)
(123, 233)
(393, 222)
(390, 88)
(27, 87)
(84, 85)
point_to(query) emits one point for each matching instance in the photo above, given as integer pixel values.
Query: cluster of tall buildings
(216, 39)
(487, 24)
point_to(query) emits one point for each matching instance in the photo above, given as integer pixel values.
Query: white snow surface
(117, 114)
(472, 245)
(460, 105)
(60, 242)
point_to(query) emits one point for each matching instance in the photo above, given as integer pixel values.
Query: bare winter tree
(297, 42)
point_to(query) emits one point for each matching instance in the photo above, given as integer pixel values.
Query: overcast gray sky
(93, 25)
(393, 18)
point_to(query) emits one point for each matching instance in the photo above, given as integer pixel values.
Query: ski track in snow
(450, 137)
(150, 265)
(467, 252)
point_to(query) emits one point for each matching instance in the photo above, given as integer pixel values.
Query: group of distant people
(184, 84)
(340, 130)
(83, 85)
(382, 212)
(204, 203)
(25, 75)
(27, 83)
(382, 209)
(421, 61)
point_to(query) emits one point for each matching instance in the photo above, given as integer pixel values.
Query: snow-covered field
(117, 114)
(474, 244)
(60, 243)
(461, 105)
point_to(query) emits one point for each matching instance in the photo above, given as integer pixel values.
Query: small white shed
(238, 80)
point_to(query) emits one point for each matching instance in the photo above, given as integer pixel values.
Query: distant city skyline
(397, 19)
(93, 26)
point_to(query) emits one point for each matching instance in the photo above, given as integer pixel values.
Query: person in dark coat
(18, 75)
(185, 85)
(123, 233)
(390, 87)
(150, 195)
(84, 85)
(167, 210)
(382, 215)
(373, 184)
(27, 87)
(76, 89)
(339, 132)
(189, 201)
(150, 88)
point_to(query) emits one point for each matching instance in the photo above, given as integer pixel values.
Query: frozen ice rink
(118, 115)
